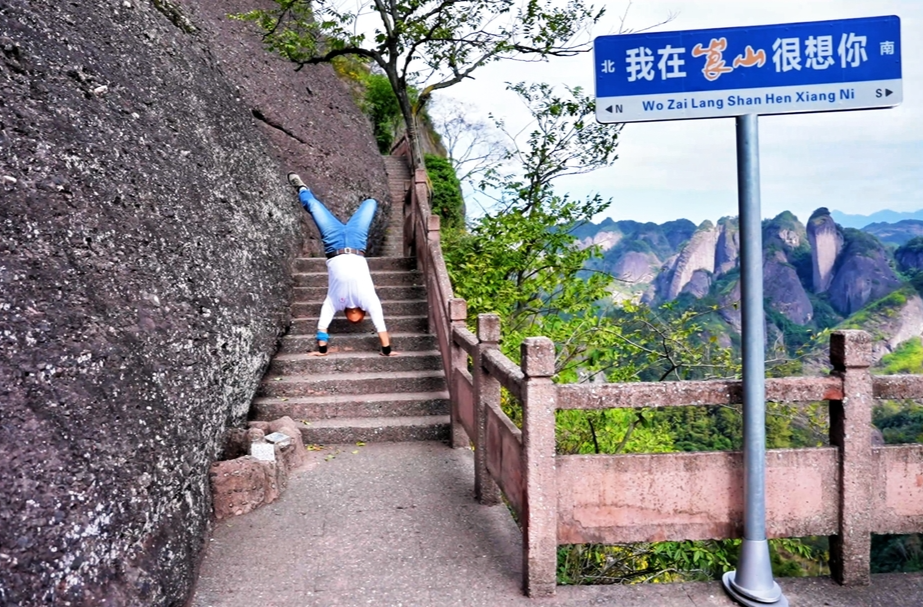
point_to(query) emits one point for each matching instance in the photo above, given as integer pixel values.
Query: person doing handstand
(349, 289)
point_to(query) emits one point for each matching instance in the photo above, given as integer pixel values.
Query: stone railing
(847, 491)
(421, 240)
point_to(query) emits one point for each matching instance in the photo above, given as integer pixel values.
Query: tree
(473, 145)
(430, 44)
(520, 260)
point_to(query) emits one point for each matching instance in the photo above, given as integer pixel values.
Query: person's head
(354, 314)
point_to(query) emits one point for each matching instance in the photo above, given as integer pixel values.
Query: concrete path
(396, 524)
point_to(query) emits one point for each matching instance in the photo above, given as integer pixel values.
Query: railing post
(486, 391)
(850, 430)
(458, 315)
(432, 228)
(432, 284)
(420, 196)
(540, 508)
(408, 210)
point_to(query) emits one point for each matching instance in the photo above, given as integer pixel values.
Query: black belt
(346, 251)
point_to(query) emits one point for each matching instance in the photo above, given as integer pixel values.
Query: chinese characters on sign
(787, 55)
(810, 61)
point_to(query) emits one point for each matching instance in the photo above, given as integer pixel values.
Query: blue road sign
(820, 66)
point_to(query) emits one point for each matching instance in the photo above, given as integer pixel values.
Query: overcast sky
(856, 162)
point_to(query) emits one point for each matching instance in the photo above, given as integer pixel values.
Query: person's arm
(327, 311)
(386, 344)
(378, 319)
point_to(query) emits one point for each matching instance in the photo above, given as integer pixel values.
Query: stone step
(365, 342)
(389, 264)
(412, 307)
(401, 293)
(341, 326)
(311, 408)
(397, 168)
(376, 430)
(381, 278)
(352, 383)
(366, 362)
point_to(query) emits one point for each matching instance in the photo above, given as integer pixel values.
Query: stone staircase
(399, 180)
(355, 394)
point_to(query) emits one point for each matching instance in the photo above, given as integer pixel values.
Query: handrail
(505, 371)
(421, 235)
(465, 339)
(687, 393)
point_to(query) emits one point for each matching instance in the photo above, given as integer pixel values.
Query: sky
(856, 162)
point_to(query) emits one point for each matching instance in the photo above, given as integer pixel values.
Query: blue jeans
(354, 234)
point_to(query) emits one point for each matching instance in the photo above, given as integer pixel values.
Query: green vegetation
(906, 358)
(886, 307)
(786, 220)
(800, 258)
(380, 104)
(520, 262)
(900, 422)
(794, 335)
(447, 201)
(914, 245)
(427, 44)
(861, 243)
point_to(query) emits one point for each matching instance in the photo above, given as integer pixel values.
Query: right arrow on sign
(888, 92)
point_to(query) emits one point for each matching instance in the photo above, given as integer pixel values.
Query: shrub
(447, 197)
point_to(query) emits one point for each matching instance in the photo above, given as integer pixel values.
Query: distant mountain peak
(885, 216)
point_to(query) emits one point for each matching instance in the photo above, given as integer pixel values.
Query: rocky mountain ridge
(816, 275)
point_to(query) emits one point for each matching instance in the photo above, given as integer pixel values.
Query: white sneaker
(296, 181)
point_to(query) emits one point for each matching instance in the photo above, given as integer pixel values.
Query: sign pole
(752, 583)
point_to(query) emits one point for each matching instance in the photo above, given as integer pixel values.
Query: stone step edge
(370, 334)
(387, 318)
(375, 422)
(299, 356)
(348, 398)
(351, 376)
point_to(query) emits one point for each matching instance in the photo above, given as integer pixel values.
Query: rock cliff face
(906, 324)
(635, 267)
(699, 284)
(146, 233)
(864, 275)
(698, 254)
(783, 290)
(909, 256)
(605, 240)
(826, 243)
(784, 232)
(727, 249)
(729, 307)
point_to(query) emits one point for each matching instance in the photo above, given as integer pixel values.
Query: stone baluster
(540, 518)
(850, 430)
(486, 391)
(458, 315)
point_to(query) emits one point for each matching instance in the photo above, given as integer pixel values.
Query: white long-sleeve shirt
(350, 286)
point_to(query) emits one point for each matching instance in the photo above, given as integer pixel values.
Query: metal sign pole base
(752, 584)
